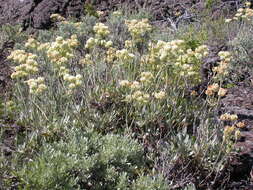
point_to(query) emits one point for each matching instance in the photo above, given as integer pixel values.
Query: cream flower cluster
(230, 131)
(240, 124)
(28, 64)
(36, 86)
(63, 71)
(32, 43)
(185, 61)
(137, 89)
(73, 81)
(166, 50)
(117, 13)
(244, 13)
(176, 53)
(61, 50)
(146, 77)
(222, 68)
(139, 97)
(87, 60)
(129, 44)
(124, 83)
(225, 56)
(92, 42)
(132, 85)
(212, 89)
(101, 30)
(57, 17)
(144, 98)
(160, 95)
(124, 56)
(43, 46)
(138, 28)
(228, 117)
(111, 55)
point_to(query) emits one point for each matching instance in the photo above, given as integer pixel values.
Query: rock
(239, 100)
(36, 13)
(5, 79)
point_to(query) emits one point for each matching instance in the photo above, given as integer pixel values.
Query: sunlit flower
(222, 92)
(135, 85)
(36, 86)
(124, 83)
(160, 95)
(101, 30)
(228, 117)
(237, 135)
(228, 20)
(240, 124)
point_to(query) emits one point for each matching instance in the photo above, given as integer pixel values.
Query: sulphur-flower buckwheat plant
(222, 92)
(223, 66)
(124, 83)
(101, 30)
(245, 13)
(138, 28)
(228, 117)
(160, 95)
(36, 86)
(72, 81)
(87, 60)
(57, 18)
(228, 131)
(135, 85)
(28, 64)
(211, 89)
(240, 124)
(61, 51)
(32, 43)
(111, 55)
(124, 56)
(146, 77)
(177, 55)
(139, 97)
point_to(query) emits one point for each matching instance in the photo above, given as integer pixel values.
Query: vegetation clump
(107, 105)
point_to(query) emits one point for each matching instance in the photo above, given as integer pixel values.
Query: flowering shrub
(28, 64)
(121, 91)
(242, 13)
(36, 86)
(138, 29)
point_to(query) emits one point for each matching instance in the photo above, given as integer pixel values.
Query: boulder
(36, 13)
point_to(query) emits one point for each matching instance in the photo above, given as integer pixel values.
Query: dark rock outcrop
(5, 79)
(36, 13)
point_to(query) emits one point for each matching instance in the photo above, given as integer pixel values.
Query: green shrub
(84, 161)
(241, 44)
